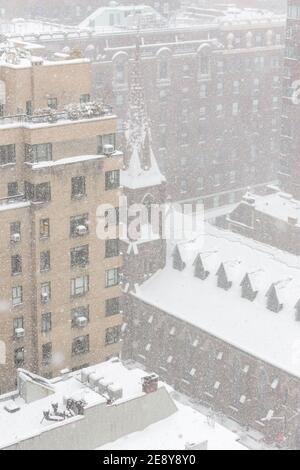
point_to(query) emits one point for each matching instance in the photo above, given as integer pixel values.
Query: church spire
(142, 169)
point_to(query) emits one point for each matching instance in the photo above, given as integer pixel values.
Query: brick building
(59, 283)
(290, 144)
(219, 79)
(221, 324)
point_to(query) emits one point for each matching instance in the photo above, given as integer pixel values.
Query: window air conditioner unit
(81, 230)
(45, 297)
(16, 237)
(19, 333)
(81, 322)
(108, 149)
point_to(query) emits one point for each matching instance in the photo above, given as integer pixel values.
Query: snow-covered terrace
(278, 205)
(230, 17)
(47, 118)
(20, 26)
(248, 326)
(27, 419)
(173, 425)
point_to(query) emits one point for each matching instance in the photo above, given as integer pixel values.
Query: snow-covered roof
(279, 205)
(19, 420)
(20, 26)
(137, 177)
(187, 426)
(249, 326)
(126, 16)
(228, 17)
(142, 169)
(69, 161)
(27, 420)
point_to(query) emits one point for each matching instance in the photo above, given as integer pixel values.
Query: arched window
(163, 64)
(120, 62)
(204, 60)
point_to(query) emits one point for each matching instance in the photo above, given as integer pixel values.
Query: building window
(7, 154)
(112, 307)
(79, 286)
(204, 65)
(46, 322)
(235, 109)
(16, 265)
(112, 217)
(80, 256)
(45, 228)
(15, 232)
(85, 98)
(217, 180)
(78, 187)
(12, 189)
(29, 108)
(79, 225)
(18, 324)
(38, 153)
(112, 335)
(45, 261)
(200, 183)
(112, 180)
(220, 89)
(120, 74)
(112, 248)
(38, 193)
(203, 91)
(19, 357)
(79, 313)
(112, 277)
(45, 292)
(47, 354)
(219, 110)
(17, 296)
(103, 140)
(232, 177)
(81, 345)
(52, 103)
(163, 69)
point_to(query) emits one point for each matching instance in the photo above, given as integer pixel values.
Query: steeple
(142, 169)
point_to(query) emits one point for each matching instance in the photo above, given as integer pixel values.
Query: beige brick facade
(37, 267)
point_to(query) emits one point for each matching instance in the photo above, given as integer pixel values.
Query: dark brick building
(290, 144)
(212, 92)
(221, 324)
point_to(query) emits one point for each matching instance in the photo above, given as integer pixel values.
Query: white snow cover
(136, 177)
(249, 326)
(27, 421)
(279, 205)
(19, 421)
(68, 161)
(187, 426)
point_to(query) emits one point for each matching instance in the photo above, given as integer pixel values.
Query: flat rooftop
(20, 421)
(279, 205)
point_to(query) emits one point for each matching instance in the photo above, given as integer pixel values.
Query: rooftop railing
(70, 113)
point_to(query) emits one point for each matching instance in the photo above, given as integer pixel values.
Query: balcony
(72, 113)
